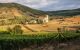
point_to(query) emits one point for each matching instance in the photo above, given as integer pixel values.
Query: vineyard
(18, 42)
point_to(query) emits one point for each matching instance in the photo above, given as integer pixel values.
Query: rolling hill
(12, 14)
(72, 12)
(17, 13)
(22, 8)
(15, 9)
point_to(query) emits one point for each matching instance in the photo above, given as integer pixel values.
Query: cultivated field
(51, 26)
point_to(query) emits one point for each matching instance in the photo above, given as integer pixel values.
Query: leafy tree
(39, 21)
(17, 30)
(77, 31)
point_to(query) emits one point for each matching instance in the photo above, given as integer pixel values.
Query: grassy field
(40, 35)
(50, 26)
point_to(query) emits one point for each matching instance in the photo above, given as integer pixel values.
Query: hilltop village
(39, 20)
(9, 16)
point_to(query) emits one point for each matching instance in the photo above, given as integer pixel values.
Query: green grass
(28, 36)
(40, 36)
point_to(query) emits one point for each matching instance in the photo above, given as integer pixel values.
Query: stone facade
(44, 19)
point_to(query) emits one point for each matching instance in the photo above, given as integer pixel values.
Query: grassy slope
(23, 8)
(28, 10)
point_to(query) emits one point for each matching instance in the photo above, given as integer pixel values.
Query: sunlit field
(51, 26)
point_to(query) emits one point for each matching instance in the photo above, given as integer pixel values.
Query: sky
(47, 5)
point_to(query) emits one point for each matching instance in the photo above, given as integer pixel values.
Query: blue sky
(48, 5)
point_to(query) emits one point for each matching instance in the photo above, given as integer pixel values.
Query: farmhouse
(39, 19)
(43, 19)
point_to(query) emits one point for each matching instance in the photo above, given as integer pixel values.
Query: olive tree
(16, 30)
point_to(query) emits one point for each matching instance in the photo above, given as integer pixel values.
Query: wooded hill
(71, 12)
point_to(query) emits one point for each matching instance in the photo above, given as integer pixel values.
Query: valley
(32, 20)
(50, 26)
(25, 28)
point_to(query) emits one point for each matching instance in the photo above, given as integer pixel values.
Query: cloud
(48, 4)
(37, 3)
(63, 5)
(6, 1)
(32, 3)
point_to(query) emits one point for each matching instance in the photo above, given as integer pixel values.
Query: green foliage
(39, 21)
(16, 42)
(16, 30)
(41, 37)
(4, 33)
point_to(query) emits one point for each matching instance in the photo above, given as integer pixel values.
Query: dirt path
(29, 28)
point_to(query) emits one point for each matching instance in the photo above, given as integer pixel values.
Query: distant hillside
(13, 13)
(72, 12)
(24, 9)
(15, 9)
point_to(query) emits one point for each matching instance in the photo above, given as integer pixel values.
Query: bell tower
(47, 18)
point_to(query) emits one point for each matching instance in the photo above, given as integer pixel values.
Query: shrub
(4, 32)
(17, 30)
